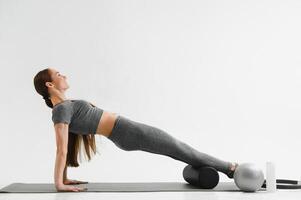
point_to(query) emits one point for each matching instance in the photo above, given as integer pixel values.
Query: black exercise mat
(118, 187)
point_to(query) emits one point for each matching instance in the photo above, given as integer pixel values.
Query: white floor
(280, 194)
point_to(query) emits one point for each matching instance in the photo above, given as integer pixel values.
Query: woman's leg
(130, 135)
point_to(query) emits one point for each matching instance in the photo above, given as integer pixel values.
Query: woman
(77, 121)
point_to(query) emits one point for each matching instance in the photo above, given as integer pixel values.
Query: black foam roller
(203, 177)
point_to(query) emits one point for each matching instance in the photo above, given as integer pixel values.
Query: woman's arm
(65, 173)
(61, 130)
(59, 168)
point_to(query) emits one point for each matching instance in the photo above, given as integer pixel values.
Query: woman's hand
(73, 182)
(69, 188)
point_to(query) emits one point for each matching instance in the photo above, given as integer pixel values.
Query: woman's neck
(56, 100)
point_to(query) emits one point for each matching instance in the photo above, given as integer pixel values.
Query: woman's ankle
(232, 168)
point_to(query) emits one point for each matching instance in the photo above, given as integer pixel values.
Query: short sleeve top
(62, 114)
(82, 117)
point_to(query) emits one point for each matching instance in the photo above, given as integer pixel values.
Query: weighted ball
(248, 177)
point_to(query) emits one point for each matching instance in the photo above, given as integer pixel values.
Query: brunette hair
(74, 140)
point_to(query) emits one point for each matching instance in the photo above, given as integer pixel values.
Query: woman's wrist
(65, 174)
(58, 184)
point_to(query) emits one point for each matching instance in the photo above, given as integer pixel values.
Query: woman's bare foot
(232, 169)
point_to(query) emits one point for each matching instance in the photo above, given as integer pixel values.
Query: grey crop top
(81, 116)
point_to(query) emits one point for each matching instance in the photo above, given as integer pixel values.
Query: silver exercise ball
(248, 177)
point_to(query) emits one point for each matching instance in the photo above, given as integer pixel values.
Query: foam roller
(203, 177)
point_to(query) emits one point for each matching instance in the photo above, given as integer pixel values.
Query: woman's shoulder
(65, 105)
(81, 101)
(69, 104)
(62, 112)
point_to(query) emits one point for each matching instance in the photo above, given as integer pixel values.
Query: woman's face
(58, 80)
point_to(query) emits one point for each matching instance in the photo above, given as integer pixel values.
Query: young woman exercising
(77, 121)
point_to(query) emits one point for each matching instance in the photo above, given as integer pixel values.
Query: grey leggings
(130, 135)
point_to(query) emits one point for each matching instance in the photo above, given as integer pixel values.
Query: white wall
(222, 76)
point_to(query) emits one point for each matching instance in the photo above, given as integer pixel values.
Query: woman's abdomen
(106, 123)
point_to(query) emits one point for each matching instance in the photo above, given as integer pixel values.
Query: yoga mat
(118, 187)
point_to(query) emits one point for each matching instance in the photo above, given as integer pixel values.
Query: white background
(222, 76)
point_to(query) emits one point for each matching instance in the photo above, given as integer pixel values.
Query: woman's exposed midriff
(106, 123)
